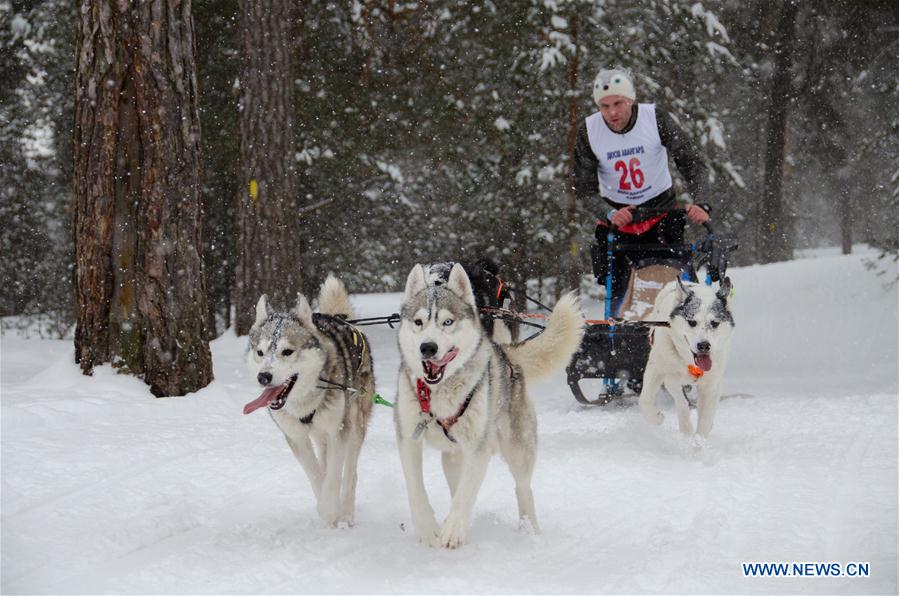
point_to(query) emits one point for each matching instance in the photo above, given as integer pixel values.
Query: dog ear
(724, 290)
(681, 287)
(261, 310)
(459, 284)
(303, 311)
(416, 282)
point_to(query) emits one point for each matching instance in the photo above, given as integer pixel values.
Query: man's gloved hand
(697, 214)
(622, 217)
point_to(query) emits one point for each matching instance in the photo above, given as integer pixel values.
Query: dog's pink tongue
(704, 362)
(449, 357)
(268, 395)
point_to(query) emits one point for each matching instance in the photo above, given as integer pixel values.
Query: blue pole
(610, 259)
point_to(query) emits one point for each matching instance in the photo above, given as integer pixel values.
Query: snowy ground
(108, 490)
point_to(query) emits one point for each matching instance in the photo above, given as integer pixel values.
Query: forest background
(406, 132)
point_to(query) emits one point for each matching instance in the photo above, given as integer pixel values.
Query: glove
(697, 214)
(622, 217)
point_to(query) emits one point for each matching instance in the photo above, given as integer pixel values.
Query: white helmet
(616, 81)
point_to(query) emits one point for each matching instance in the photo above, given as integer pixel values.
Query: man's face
(616, 111)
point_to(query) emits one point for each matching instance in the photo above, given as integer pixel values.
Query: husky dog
(691, 351)
(317, 375)
(465, 395)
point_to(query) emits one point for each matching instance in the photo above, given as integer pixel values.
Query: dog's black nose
(704, 347)
(264, 378)
(428, 349)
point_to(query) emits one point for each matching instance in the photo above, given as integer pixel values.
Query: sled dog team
(461, 389)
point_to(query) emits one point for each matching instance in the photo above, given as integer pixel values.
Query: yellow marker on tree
(254, 190)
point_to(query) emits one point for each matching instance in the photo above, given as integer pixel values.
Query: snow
(712, 24)
(391, 170)
(550, 57)
(108, 490)
(734, 174)
(716, 132)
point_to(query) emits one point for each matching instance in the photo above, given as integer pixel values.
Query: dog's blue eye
(287, 352)
(259, 353)
(417, 322)
(715, 324)
(692, 323)
(447, 322)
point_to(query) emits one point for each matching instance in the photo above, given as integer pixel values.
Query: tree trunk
(267, 209)
(573, 277)
(775, 243)
(847, 215)
(140, 289)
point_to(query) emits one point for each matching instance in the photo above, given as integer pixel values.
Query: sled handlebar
(644, 213)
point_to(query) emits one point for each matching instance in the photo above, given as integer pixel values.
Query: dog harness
(346, 338)
(423, 393)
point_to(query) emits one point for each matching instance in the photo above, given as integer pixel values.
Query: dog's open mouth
(703, 361)
(434, 369)
(273, 397)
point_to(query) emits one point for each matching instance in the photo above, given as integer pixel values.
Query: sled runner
(615, 348)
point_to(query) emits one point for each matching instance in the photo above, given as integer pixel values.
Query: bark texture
(775, 242)
(268, 253)
(141, 295)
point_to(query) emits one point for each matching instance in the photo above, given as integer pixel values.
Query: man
(621, 162)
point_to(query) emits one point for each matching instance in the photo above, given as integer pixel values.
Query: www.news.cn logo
(806, 569)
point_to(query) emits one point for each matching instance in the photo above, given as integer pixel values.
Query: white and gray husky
(318, 381)
(465, 395)
(691, 352)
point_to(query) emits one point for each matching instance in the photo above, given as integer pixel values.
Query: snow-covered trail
(108, 490)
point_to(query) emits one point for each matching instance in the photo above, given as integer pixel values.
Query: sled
(615, 349)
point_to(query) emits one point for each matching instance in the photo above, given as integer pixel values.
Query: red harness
(423, 392)
(424, 395)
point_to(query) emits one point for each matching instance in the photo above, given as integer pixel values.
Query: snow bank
(108, 490)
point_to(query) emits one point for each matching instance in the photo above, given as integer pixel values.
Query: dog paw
(429, 536)
(528, 525)
(428, 533)
(429, 539)
(329, 515)
(454, 531)
(347, 516)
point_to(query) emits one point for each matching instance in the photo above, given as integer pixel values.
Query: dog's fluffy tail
(552, 349)
(333, 298)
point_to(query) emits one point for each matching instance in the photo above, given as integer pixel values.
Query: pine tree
(35, 177)
(139, 272)
(268, 226)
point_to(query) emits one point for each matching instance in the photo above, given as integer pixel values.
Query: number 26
(633, 169)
